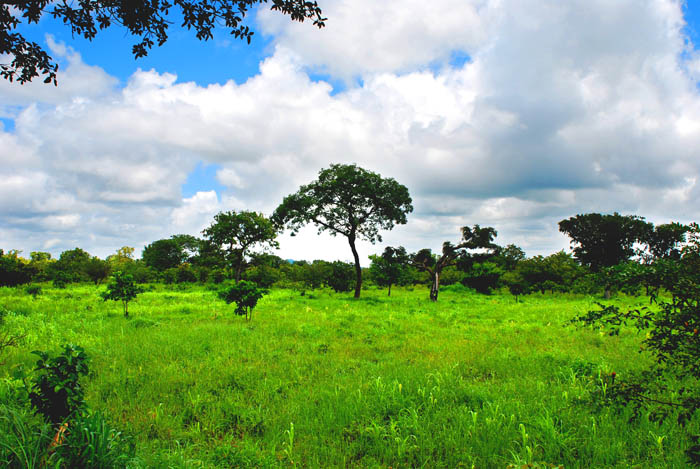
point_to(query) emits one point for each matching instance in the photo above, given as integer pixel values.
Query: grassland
(323, 380)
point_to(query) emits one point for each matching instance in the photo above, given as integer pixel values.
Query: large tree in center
(603, 240)
(350, 201)
(234, 233)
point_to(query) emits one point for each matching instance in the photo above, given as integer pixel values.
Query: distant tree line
(609, 251)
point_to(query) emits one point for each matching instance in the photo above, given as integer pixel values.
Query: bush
(57, 393)
(483, 277)
(341, 277)
(671, 385)
(121, 287)
(245, 294)
(34, 290)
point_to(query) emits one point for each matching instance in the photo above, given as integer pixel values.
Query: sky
(514, 114)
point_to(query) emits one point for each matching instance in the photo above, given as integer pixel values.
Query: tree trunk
(126, 310)
(435, 286)
(358, 269)
(389, 294)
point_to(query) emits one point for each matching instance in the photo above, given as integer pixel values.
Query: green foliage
(349, 201)
(508, 257)
(476, 238)
(185, 274)
(57, 393)
(517, 285)
(604, 240)
(147, 21)
(664, 240)
(122, 288)
(556, 272)
(235, 233)
(34, 290)
(71, 266)
(14, 270)
(341, 276)
(263, 275)
(24, 437)
(245, 294)
(60, 280)
(91, 442)
(484, 277)
(671, 385)
(97, 269)
(391, 268)
(163, 254)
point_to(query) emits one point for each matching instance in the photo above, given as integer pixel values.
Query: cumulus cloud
(562, 108)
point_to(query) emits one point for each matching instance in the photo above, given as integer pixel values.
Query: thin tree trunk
(358, 269)
(435, 286)
(389, 290)
(126, 309)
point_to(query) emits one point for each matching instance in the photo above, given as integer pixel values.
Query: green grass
(323, 380)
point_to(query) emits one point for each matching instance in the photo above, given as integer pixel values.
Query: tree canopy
(147, 20)
(476, 238)
(350, 201)
(390, 267)
(604, 240)
(236, 232)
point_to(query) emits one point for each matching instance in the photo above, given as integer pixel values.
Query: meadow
(323, 380)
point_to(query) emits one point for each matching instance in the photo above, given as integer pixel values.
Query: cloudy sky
(507, 113)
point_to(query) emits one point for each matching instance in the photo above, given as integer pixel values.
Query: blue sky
(513, 114)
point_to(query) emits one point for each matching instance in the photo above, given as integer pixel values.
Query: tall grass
(323, 380)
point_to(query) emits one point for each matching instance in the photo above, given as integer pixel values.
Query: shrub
(122, 288)
(483, 277)
(671, 385)
(61, 279)
(245, 294)
(34, 290)
(341, 277)
(57, 393)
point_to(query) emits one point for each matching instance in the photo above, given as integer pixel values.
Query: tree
(236, 232)
(509, 256)
(163, 254)
(670, 385)
(147, 20)
(350, 201)
(663, 241)
(340, 276)
(121, 288)
(472, 238)
(73, 264)
(601, 241)
(604, 240)
(14, 270)
(97, 269)
(483, 277)
(245, 294)
(390, 268)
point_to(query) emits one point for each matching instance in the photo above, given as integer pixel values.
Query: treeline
(610, 252)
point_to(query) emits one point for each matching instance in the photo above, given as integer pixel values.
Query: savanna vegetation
(522, 361)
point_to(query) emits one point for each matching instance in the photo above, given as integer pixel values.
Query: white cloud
(564, 108)
(365, 36)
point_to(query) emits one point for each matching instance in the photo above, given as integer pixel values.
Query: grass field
(323, 380)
